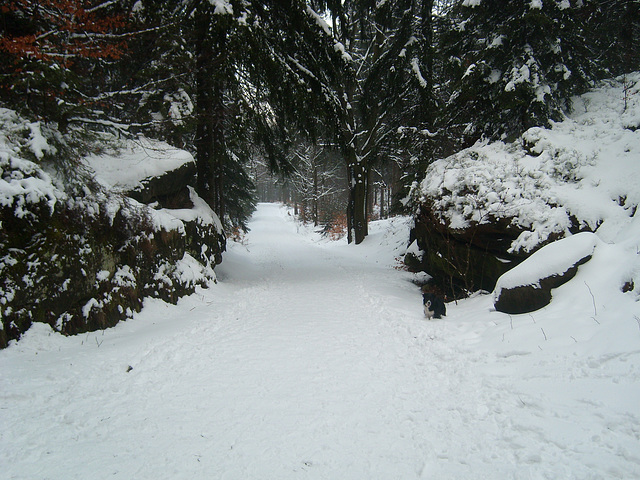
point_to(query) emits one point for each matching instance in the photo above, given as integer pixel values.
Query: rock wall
(85, 262)
(461, 261)
(464, 260)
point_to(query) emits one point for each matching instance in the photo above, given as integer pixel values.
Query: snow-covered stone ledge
(528, 287)
(82, 259)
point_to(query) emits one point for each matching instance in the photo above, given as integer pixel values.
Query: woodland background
(334, 106)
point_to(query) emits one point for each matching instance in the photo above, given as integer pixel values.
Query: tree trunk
(210, 111)
(203, 108)
(370, 196)
(357, 206)
(219, 148)
(315, 195)
(426, 96)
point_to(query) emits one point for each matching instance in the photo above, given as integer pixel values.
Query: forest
(335, 106)
(319, 239)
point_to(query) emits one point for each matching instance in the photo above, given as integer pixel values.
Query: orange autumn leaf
(65, 29)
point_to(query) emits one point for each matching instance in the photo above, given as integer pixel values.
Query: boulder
(462, 260)
(166, 186)
(86, 260)
(146, 170)
(483, 210)
(413, 256)
(528, 287)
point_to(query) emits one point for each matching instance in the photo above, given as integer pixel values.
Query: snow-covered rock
(528, 286)
(84, 258)
(499, 202)
(144, 169)
(413, 255)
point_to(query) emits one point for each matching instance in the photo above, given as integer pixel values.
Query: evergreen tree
(515, 64)
(159, 72)
(614, 28)
(248, 68)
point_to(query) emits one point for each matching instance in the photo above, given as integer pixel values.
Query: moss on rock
(89, 262)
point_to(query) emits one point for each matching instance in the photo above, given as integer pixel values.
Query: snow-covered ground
(312, 359)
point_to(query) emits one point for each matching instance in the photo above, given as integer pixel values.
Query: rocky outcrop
(86, 261)
(166, 187)
(462, 260)
(528, 287)
(485, 209)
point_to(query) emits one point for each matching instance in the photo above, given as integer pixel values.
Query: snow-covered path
(312, 360)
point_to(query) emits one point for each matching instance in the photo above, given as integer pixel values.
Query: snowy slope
(311, 359)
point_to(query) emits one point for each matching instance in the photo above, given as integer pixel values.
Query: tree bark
(203, 108)
(357, 205)
(219, 148)
(210, 110)
(315, 193)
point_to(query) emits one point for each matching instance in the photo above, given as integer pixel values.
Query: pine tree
(516, 64)
(158, 71)
(239, 73)
(614, 28)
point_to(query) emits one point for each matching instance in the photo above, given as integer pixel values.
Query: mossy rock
(59, 268)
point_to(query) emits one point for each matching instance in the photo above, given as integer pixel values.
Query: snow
(415, 66)
(535, 5)
(37, 142)
(518, 75)
(312, 359)
(584, 168)
(86, 310)
(200, 211)
(321, 22)
(339, 47)
(414, 249)
(181, 106)
(553, 259)
(24, 183)
(124, 277)
(221, 7)
(124, 170)
(103, 275)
